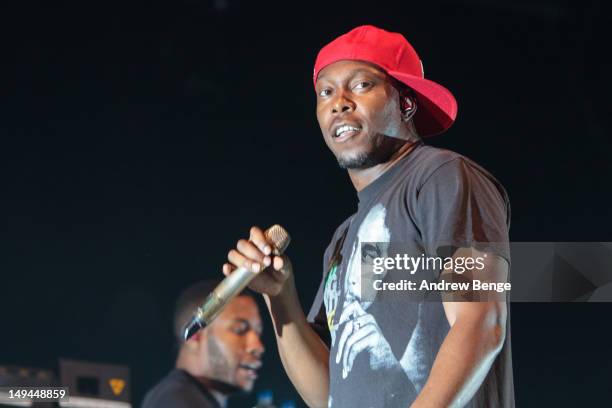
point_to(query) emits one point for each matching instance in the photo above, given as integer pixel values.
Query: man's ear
(194, 341)
(408, 105)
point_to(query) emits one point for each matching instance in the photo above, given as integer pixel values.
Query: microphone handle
(229, 287)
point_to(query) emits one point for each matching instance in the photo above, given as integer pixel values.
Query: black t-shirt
(179, 389)
(430, 199)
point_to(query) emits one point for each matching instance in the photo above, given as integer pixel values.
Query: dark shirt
(179, 389)
(430, 200)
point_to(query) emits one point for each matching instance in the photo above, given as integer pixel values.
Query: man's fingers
(359, 310)
(358, 342)
(239, 260)
(353, 331)
(282, 264)
(346, 331)
(228, 268)
(366, 319)
(249, 250)
(278, 263)
(352, 308)
(258, 238)
(256, 255)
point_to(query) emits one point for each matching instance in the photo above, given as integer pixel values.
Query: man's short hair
(190, 299)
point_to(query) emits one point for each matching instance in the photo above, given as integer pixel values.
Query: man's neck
(361, 178)
(219, 396)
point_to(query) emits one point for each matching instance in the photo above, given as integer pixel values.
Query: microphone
(232, 285)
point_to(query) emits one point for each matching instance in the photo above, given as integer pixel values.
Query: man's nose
(254, 344)
(342, 104)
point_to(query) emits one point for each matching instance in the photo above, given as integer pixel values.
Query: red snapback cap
(436, 105)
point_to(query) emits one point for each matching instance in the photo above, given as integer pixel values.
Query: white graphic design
(357, 331)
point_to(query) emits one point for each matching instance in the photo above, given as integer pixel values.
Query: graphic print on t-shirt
(354, 329)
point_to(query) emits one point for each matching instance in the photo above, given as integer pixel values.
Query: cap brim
(436, 105)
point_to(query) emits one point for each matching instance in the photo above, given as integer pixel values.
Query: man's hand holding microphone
(257, 254)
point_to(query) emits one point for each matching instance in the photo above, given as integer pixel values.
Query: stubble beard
(379, 150)
(361, 160)
(220, 368)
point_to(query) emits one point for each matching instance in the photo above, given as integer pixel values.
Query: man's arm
(304, 355)
(475, 338)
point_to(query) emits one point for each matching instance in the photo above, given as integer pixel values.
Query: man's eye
(362, 85)
(325, 92)
(240, 329)
(369, 252)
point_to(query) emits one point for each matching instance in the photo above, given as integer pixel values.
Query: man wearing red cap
(358, 349)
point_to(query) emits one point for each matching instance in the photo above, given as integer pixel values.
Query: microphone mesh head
(279, 237)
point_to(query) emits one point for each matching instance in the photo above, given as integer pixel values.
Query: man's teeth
(249, 367)
(346, 128)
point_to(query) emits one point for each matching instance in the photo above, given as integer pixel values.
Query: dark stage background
(140, 140)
